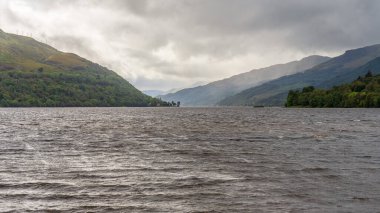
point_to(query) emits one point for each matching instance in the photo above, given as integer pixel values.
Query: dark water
(190, 160)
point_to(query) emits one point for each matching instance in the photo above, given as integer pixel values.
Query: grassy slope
(341, 69)
(35, 74)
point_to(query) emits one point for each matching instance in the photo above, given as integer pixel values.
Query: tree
(292, 98)
(308, 89)
(369, 74)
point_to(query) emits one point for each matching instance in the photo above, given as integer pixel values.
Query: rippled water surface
(190, 160)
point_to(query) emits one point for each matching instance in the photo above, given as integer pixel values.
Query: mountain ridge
(341, 69)
(212, 93)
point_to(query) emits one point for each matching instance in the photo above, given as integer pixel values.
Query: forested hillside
(35, 74)
(363, 92)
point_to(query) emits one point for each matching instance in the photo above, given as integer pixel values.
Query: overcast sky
(163, 44)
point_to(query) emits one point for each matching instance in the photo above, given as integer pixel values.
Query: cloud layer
(163, 44)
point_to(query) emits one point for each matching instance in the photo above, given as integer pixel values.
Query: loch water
(189, 160)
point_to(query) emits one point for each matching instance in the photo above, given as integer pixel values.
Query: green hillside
(33, 74)
(338, 70)
(363, 92)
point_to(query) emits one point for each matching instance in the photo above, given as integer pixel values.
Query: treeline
(363, 92)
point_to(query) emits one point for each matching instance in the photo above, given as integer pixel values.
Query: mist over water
(189, 159)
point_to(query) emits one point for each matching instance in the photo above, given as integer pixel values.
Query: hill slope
(212, 93)
(338, 70)
(363, 92)
(35, 74)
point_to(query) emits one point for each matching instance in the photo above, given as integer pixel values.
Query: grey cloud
(74, 44)
(178, 42)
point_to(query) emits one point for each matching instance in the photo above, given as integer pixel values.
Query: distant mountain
(212, 93)
(342, 69)
(154, 93)
(35, 74)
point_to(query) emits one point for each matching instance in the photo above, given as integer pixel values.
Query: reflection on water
(190, 159)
